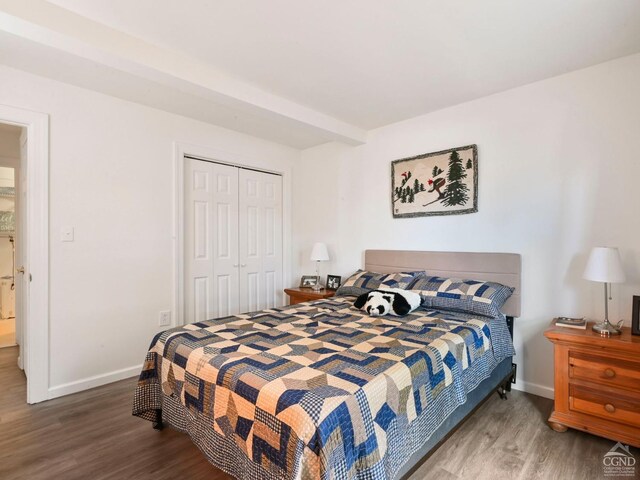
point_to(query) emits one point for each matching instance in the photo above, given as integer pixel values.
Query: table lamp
(319, 253)
(604, 265)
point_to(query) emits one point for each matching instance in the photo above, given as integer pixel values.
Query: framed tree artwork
(439, 183)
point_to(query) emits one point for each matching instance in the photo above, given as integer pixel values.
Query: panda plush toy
(394, 301)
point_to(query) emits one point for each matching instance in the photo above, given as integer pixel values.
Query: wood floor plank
(92, 435)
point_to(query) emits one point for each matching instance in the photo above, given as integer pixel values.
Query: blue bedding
(317, 390)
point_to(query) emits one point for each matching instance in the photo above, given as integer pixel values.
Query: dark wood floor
(92, 435)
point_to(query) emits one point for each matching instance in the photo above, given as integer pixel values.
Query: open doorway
(28, 226)
(11, 143)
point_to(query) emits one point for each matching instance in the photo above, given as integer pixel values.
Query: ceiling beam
(40, 22)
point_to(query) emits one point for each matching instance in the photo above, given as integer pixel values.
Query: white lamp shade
(319, 252)
(604, 265)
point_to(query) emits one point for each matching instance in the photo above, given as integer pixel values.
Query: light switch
(66, 234)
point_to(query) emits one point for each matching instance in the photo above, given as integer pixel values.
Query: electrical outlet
(165, 318)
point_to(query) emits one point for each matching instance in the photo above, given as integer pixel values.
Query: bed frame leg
(512, 378)
(505, 386)
(502, 392)
(158, 425)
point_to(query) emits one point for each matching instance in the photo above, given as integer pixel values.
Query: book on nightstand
(567, 322)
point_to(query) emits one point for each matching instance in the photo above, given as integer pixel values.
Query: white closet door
(210, 241)
(260, 240)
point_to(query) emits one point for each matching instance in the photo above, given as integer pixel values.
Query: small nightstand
(299, 295)
(597, 383)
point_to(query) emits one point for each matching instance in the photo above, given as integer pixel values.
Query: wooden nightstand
(597, 383)
(299, 295)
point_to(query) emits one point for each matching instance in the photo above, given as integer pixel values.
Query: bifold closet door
(260, 240)
(210, 241)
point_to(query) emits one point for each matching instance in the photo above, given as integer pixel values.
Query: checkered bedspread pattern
(318, 390)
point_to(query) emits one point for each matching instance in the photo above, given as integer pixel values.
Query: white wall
(111, 178)
(558, 174)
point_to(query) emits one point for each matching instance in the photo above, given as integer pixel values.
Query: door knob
(243, 264)
(20, 270)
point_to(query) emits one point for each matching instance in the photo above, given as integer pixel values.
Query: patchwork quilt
(317, 390)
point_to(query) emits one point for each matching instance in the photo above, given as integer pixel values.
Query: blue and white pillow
(469, 296)
(364, 281)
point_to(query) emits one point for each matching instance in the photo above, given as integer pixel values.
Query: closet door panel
(226, 300)
(272, 247)
(260, 230)
(210, 241)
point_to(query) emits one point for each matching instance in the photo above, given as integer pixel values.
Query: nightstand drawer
(300, 295)
(620, 407)
(616, 373)
(301, 299)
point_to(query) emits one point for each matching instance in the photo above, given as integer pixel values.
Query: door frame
(35, 321)
(234, 160)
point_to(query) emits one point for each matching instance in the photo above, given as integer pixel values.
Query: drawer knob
(609, 373)
(609, 408)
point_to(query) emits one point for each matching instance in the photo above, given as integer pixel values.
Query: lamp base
(318, 286)
(606, 329)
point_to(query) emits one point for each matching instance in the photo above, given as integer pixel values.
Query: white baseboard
(533, 388)
(92, 382)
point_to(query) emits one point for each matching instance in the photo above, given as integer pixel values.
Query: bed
(321, 390)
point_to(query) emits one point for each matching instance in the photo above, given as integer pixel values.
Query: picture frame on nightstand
(333, 282)
(309, 281)
(635, 316)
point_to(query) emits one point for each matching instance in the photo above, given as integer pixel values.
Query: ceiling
(368, 63)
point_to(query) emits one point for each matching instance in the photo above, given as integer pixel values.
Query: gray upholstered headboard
(504, 268)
